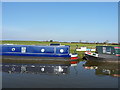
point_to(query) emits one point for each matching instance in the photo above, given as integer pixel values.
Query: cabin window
(42, 50)
(23, 49)
(104, 49)
(61, 50)
(13, 49)
(108, 50)
(117, 51)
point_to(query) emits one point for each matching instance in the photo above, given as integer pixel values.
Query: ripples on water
(57, 74)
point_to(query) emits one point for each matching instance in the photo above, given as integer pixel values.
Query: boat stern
(73, 56)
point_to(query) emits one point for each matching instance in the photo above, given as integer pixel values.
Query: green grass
(72, 45)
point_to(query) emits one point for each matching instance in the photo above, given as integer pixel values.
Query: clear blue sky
(61, 21)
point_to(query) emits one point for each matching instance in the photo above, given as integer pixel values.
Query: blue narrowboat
(52, 50)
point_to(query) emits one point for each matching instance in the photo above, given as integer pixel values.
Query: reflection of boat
(108, 53)
(36, 68)
(52, 51)
(57, 68)
(104, 68)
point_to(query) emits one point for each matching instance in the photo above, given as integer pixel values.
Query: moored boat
(51, 51)
(106, 53)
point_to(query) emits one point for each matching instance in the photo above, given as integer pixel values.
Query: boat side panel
(34, 54)
(11, 48)
(41, 51)
(62, 50)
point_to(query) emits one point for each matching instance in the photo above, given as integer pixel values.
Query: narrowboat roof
(32, 45)
(55, 44)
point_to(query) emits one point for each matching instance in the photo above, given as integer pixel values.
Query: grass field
(72, 45)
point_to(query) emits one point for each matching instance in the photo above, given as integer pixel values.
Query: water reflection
(53, 74)
(103, 68)
(37, 67)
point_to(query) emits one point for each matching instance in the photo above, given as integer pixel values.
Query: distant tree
(97, 42)
(106, 42)
(86, 41)
(80, 41)
(51, 40)
(119, 42)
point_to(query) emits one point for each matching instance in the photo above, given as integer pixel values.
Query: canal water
(74, 74)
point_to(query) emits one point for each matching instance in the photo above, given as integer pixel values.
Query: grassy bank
(72, 45)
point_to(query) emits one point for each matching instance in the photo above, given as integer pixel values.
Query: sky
(60, 21)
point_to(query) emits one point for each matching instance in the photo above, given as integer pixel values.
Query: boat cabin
(35, 50)
(113, 50)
